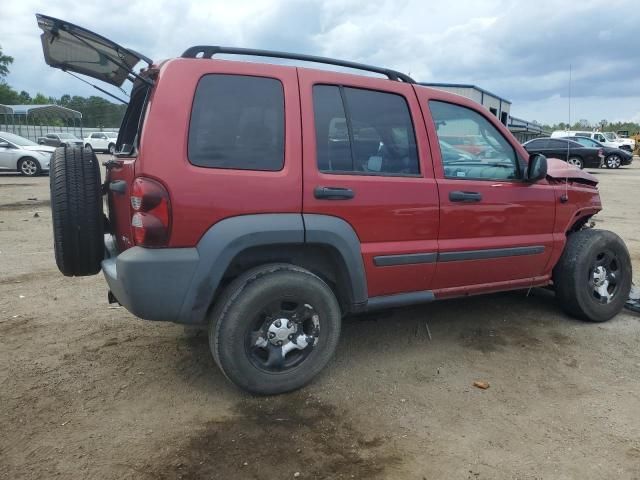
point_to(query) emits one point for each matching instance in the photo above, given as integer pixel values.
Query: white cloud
(520, 50)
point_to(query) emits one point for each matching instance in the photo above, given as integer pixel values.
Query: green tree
(5, 61)
(25, 98)
(8, 96)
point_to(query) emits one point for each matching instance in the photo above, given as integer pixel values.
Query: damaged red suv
(270, 201)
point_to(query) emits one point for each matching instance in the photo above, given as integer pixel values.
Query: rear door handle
(458, 196)
(333, 193)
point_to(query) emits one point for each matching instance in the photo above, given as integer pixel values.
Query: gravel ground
(89, 391)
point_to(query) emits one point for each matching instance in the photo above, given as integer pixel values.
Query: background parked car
(21, 154)
(567, 150)
(627, 143)
(608, 139)
(613, 157)
(102, 141)
(474, 145)
(59, 139)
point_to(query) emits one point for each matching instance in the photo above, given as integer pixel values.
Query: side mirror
(537, 167)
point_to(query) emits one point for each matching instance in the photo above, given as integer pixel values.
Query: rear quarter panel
(201, 197)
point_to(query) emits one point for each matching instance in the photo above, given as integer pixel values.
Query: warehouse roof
(57, 110)
(465, 85)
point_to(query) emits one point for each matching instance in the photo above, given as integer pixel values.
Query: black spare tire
(76, 210)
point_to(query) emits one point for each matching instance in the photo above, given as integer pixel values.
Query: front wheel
(576, 162)
(613, 161)
(592, 279)
(274, 328)
(29, 167)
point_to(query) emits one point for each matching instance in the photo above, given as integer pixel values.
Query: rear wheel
(613, 161)
(274, 328)
(29, 167)
(575, 161)
(593, 276)
(76, 210)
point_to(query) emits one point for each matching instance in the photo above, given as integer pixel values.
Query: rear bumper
(150, 283)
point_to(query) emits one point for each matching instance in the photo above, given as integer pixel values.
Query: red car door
(496, 230)
(371, 167)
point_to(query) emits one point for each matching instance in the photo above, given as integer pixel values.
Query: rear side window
(363, 132)
(237, 122)
(537, 144)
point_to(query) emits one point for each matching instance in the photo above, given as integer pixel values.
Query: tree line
(603, 125)
(96, 111)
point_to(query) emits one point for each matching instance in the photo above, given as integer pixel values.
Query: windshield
(17, 140)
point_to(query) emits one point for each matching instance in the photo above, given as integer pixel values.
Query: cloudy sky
(519, 50)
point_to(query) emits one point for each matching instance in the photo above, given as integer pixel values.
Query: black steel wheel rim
(282, 334)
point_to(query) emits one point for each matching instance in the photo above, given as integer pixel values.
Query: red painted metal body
(390, 215)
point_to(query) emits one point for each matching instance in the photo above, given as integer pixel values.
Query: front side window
(363, 132)
(237, 122)
(471, 147)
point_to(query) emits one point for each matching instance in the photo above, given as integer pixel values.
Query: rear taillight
(151, 213)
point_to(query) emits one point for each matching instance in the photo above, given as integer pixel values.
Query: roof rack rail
(204, 51)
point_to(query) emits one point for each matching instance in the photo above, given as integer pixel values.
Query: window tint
(533, 144)
(237, 122)
(559, 143)
(377, 136)
(471, 146)
(587, 142)
(599, 137)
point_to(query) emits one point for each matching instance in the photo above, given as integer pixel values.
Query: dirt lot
(89, 391)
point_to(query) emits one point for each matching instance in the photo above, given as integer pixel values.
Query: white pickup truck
(101, 141)
(608, 139)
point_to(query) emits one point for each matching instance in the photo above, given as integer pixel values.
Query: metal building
(497, 105)
(33, 121)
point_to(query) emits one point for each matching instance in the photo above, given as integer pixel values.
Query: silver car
(21, 154)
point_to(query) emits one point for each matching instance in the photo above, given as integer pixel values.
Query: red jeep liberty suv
(270, 201)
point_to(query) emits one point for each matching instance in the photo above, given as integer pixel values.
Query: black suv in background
(570, 151)
(613, 157)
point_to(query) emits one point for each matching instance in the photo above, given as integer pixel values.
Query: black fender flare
(338, 234)
(223, 241)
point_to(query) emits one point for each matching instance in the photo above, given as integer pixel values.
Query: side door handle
(459, 196)
(333, 193)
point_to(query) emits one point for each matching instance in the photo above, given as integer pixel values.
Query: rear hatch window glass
(131, 126)
(237, 122)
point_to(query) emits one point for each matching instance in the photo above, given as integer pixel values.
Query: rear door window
(363, 132)
(237, 122)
